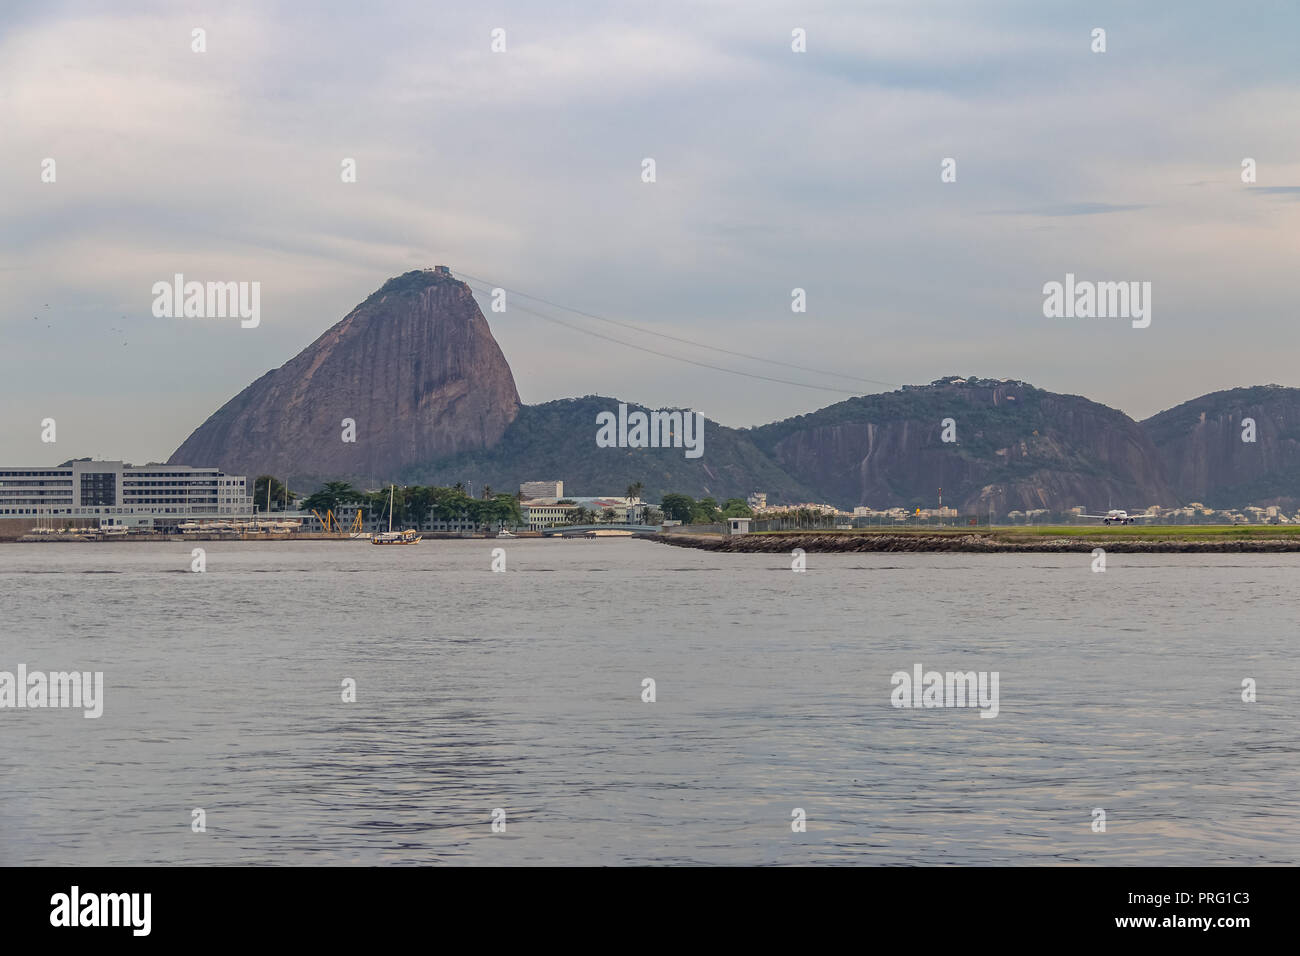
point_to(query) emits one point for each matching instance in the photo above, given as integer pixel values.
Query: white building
(115, 494)
(540, 514)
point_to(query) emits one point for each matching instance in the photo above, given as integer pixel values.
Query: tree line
(684, 508)
(413, 504)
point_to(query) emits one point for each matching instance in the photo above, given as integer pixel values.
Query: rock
(973, 543)
(1205, 459)
(414, 365)
(1016, 447)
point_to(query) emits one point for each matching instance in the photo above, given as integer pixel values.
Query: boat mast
(390, 508)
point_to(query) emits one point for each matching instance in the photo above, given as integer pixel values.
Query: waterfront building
(540, 513)
(545, 513)
(115, 494)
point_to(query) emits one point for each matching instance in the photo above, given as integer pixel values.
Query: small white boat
(506, 534)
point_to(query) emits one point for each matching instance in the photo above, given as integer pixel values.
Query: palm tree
(268, 491)
(633, 494)
(328, 498)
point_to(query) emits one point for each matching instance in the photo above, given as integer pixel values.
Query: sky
(775, 170)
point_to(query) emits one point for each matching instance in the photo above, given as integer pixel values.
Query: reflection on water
(522, 690)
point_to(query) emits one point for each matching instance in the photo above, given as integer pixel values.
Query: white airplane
(1117, 516)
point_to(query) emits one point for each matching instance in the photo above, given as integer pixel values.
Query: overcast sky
(775, 170)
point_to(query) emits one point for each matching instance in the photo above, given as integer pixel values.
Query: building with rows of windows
(108, 494)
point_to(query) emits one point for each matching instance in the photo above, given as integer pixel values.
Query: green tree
(678, 507)
(450, 504)
(375, 505)
(329, 497)
(477, 511)
(506, 511)
(633, 494)
(736, 508)
(705, 511)
(279, 493)
(417, 503)
(608, 516)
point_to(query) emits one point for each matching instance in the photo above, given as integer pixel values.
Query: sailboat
(390, 536)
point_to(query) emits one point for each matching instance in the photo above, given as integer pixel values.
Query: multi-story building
(115, 494)
(542, 489)
(548, 512)
(542, 514)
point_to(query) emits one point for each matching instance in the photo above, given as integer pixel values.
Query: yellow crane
(333, 525)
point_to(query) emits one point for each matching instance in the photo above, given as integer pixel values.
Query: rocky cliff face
(1201, 447)
(1017, 448)
(414, 365)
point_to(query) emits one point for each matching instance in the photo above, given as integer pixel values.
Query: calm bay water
(522, 690)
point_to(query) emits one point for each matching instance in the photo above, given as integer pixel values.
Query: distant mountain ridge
(557, 439)
(434, 401)
(1016, 447)
(1201, 448)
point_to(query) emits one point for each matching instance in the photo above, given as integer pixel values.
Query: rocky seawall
(969, 544)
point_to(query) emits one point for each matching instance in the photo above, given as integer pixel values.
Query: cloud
(1288, 192)
(775, 170)
(1072, 209)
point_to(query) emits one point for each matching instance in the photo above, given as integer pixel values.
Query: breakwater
(976, 543)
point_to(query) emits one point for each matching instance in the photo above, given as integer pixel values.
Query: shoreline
(985, 542)
(200, 536)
